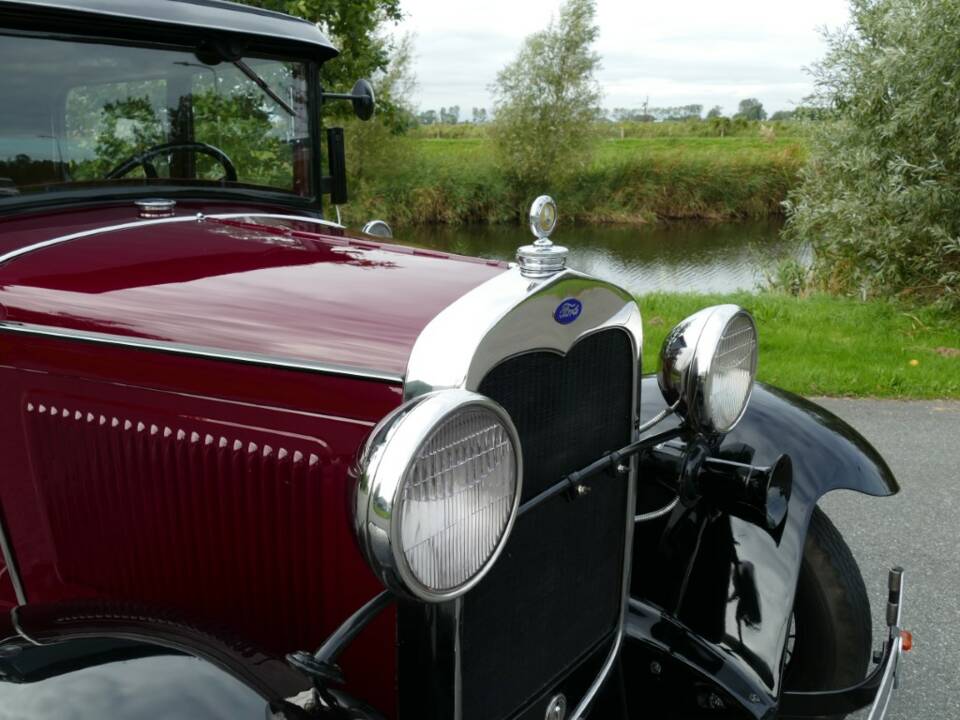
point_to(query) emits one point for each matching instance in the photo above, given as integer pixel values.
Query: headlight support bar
(575, 482)
(321, 666)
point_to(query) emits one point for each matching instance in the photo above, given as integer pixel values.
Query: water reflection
(683, 257)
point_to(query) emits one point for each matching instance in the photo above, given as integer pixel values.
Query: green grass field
(635, 180)
(824, 345)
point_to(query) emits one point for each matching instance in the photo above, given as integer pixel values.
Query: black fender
(712, 594)
(90, 659)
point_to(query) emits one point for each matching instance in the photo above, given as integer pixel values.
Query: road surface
(918, 529)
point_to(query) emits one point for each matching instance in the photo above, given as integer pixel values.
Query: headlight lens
(707, 367)
(732, 369)
(438, 493)
(458, 499)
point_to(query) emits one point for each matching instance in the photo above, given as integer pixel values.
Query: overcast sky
(676, 52)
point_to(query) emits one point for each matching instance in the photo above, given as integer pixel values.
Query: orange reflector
(907, 640)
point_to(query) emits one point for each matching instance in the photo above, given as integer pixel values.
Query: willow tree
(546, 100)
(354, 25)
(359, 30)
(879, 197)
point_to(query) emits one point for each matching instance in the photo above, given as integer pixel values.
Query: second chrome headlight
(707, 367)
(438, 490)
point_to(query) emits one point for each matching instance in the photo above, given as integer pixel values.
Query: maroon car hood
(272, 287)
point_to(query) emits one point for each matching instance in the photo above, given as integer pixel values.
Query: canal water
(680, 257)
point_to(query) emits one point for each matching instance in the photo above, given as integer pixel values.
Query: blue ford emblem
(568, 311)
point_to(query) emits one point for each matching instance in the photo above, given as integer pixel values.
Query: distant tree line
(451, 116)
(750, 109)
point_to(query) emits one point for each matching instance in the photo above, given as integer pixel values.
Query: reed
(635, 180)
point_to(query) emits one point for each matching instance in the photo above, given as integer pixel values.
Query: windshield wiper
(252, 74)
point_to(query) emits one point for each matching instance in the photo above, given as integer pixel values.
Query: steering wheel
(143, 160)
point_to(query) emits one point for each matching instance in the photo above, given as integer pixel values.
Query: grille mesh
(554, 594)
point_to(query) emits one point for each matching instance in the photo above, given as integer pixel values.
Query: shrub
(878, 201)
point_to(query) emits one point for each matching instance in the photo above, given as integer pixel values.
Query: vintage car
(255, 463)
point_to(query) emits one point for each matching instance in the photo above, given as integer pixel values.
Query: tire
(833, 640)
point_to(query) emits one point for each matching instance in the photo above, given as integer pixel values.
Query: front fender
(714, 592)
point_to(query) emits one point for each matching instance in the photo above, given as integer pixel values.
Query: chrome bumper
(876, 690)
(894, 649)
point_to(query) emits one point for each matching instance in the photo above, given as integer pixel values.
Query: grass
(825, 345)
(635, 180)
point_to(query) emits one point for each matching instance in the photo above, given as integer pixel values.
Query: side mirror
(361, 97)
(364, 100)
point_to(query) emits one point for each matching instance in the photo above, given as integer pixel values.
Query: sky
(676, 52)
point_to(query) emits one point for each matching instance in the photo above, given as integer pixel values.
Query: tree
(783, 115)
(372, 147)
(751, 109)
(450, 115)
(356, 28)
(547, 99)
(878, 199)
(428, 117)
(715, 112)
(479, 116)
(681, 112)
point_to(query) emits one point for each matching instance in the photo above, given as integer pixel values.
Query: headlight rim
(396, 441)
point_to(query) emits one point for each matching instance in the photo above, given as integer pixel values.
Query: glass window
(80, 114)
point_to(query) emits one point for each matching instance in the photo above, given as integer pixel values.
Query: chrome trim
(686, 362)
(888, 683)
(891, 674)
(27, 249)
(279, 216)
(201, 352)
(15, 621)
(383, 468)
(540, 229)
(543, 258)
(156, 207)
(557, 708)
(378, 229)
(510, 315)
(654, 514)
(13, 572)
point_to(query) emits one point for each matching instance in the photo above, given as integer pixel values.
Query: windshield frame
(84, 194)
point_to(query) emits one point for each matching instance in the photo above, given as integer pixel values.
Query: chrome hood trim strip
(27, 249)
(202, 352)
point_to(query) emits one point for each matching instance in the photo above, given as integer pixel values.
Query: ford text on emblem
(568, 311)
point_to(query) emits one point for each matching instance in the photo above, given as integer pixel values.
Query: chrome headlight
(438, 491)
(707, 367)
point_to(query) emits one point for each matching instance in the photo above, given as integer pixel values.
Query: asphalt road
(918, 529)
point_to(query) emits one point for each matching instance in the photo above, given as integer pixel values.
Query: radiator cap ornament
(543, 258)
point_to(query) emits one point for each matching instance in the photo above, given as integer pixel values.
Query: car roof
(215, 15)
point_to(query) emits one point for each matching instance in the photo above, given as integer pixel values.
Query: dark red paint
(214, 489)
(274, 289)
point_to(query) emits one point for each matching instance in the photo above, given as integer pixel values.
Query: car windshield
(84, 114)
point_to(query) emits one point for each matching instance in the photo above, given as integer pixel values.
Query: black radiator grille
(554, 594)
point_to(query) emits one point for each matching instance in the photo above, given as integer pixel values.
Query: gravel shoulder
(918, 529)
